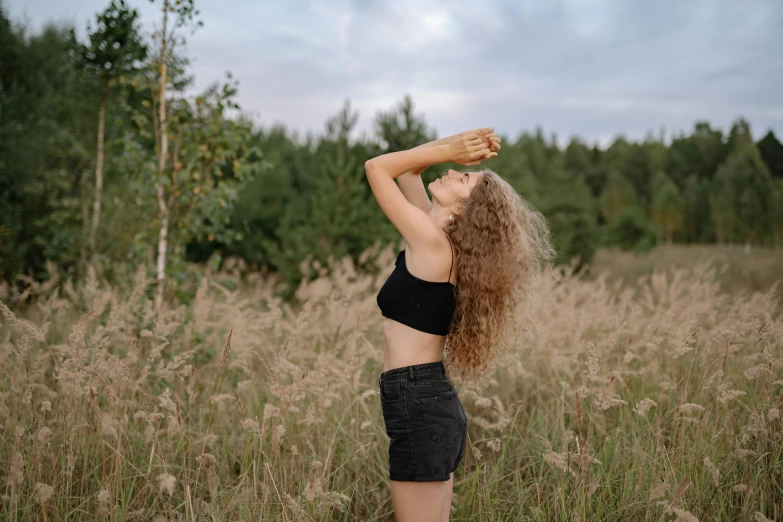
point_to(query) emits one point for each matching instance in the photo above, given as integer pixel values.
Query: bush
(631, 230)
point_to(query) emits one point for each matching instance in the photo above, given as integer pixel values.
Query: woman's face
(453, 186)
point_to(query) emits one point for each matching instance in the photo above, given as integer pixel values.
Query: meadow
(648, 389)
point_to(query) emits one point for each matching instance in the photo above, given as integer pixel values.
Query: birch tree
(114, 51)
(176, 14)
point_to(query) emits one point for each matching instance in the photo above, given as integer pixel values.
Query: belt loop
(410, 373)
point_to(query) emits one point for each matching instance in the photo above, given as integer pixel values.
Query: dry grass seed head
(166, 482)
(43, 492)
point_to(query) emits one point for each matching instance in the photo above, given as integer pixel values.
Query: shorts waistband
(412, 372)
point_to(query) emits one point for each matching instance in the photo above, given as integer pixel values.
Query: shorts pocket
(390, 392)
(440, 415)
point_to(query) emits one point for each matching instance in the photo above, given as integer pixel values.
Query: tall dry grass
(652, 402)
(738, 268)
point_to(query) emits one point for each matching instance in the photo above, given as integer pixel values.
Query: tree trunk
(96, 210)
(163, 235)
(83, 255)
(164, 144)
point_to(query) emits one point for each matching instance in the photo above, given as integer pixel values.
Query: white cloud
(594, 68)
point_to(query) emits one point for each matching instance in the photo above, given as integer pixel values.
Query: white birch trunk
(163, 235)
(163, 152)
(96, 210)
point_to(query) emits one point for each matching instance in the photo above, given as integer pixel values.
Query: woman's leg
(421, 501)
(447, 500)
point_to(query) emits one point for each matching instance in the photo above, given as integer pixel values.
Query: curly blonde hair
(503, 244)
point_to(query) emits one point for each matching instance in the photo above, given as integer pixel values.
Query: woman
(472, 254)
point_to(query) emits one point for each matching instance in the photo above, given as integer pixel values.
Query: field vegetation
(188, 318)
(654, 400)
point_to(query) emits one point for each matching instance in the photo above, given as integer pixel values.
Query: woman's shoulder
(433, 262)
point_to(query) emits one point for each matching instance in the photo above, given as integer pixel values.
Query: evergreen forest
(102, 148)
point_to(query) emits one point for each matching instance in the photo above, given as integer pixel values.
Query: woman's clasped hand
(474, 146)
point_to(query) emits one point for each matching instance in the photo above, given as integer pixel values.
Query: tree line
(107, 163)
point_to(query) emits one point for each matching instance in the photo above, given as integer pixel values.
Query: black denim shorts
(425, 421)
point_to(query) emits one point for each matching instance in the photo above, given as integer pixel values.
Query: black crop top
(427, 306)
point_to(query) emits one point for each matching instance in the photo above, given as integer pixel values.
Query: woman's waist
(425, 372)
(405, 346)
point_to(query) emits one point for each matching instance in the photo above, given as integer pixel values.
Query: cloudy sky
(589, 68)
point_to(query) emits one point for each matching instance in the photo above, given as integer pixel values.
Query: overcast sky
(574, 67)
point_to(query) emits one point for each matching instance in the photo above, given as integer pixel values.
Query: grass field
(739, 270)
(649, 390)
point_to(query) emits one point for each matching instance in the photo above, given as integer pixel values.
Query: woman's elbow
(369, 166)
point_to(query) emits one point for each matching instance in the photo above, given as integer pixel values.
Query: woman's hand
(493, 140)
(472, 147)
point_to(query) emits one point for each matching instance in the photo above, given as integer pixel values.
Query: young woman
(472, 254)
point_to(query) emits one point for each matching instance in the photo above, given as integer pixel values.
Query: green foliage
(701, 154)
(263, 203)
(776, 215)
(630, 230)
(696, 209)
(585, 164)
(184, 11)
(211, 159)
(567, 205)
(772, 153)
(741, 198)
(739, 137)
(333, 213)
(617, 195)
(113, 54)
(578, 157)
(306, 199)
(46, 115)
(401, 129)
(641, 163)
(211, 162)
(667, 208)
(116, 47)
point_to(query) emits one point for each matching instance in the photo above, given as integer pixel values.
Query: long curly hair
(503, 244)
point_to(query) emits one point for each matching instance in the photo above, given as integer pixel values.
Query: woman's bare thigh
(422, 501)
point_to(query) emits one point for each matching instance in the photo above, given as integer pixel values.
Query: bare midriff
(406, 346)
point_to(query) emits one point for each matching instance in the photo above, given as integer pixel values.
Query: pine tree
(722, 208)
(114, 52)
(630, 230)
(335, 216)
(741, 198)
(401, 129)
(700, 153)
(776, 216)
(696, 210)
(772, 153)
(739, 137)
(580, 161)
(568, 207)
(640, 164)
(618, 193)
(667, 206)
(47, 114)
